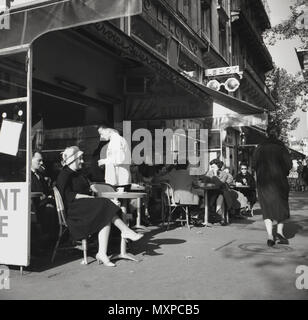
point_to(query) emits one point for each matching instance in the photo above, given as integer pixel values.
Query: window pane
(13, 84)
(149, 35)
(189, 67)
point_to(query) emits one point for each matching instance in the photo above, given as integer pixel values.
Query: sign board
(14, 224)
(222, 71)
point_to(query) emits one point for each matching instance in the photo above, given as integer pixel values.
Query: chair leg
(84, 249)
(170, 211)
(57, 244)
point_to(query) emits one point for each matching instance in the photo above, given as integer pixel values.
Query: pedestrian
(118, 157)
(272, 163)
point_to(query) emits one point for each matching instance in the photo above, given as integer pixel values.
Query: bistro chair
(169, 203)
(63, 228)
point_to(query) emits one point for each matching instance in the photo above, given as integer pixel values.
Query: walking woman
(272, 163)
(87, 215)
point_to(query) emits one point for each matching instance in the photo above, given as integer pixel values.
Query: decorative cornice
(119, 40)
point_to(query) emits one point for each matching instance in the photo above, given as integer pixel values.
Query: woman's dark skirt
(88, 216)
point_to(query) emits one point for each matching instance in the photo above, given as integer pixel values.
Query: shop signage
(222, 71)
(14, 224)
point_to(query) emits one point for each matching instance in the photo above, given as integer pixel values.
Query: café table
(206, 187)
(116, 195)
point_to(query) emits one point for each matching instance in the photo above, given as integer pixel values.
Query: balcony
(242, 23)
(257, 12)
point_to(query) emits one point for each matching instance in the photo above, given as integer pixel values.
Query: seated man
(43, 206)
(246, 179)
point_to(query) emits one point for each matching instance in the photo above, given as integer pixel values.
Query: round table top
(123, 195)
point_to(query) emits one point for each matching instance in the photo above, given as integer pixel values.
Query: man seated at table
(43, 205)
(244, 178)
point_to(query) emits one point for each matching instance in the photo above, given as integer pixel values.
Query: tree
(295, 26)
(289, 93)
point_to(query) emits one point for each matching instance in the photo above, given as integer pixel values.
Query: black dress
(272, 163)
(84, 216)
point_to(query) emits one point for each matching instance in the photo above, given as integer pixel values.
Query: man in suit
(44, 205)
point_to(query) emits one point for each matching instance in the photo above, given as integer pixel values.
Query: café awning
(25, 24)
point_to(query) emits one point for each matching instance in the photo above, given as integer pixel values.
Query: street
(231, 262)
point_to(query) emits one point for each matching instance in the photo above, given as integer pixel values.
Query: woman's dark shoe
(270, 242)
(282, 239)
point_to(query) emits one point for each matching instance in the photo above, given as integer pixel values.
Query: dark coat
(84, 216)
(272, 163)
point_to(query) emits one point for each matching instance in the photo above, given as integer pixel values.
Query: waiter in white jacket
(118, 157)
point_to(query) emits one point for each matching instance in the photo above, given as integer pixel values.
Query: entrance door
(15, 155)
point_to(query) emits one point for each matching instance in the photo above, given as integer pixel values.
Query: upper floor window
(188, 66)
(184, 8)
(206, 19)
(223, 39)
(149, 35)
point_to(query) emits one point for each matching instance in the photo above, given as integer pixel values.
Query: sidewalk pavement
(231, 262)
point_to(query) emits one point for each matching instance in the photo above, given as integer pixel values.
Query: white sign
(14, 224)
(10, 136)
(222, 71)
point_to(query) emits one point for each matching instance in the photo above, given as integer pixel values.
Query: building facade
(151, 69)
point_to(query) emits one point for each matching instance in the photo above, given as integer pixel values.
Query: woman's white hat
(70, 154)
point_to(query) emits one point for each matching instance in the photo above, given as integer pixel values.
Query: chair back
(60, 207)
(169, 192)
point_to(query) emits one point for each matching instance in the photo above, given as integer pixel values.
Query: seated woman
(85, 214)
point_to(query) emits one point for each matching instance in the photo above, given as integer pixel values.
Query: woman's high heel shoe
(133, 236)
(104, 261)
(282, 239)
(270, 242)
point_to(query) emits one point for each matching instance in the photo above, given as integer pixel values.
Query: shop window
(206, 19)
(188, 67)
(143, 31)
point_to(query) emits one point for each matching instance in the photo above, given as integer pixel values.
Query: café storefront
(54, 90)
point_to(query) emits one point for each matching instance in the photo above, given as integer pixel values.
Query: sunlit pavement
(231, 262)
